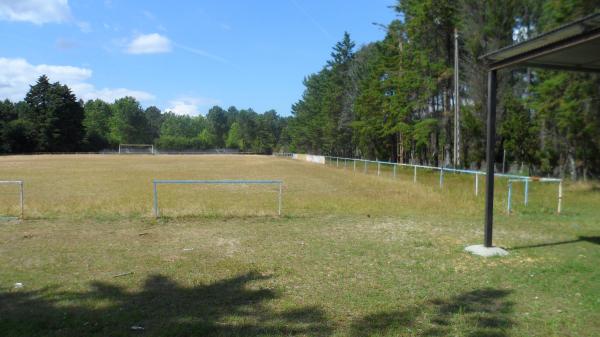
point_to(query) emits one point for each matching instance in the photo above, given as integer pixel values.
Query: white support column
(560, 196)
(415, 175)
(22, 199)
(280, 197)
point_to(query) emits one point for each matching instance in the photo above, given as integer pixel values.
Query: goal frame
(155, 183)
(21, 196)
(151, 146)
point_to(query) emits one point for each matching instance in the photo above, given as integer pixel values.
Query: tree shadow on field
(228, 307)
(484, 312)
(591, 239)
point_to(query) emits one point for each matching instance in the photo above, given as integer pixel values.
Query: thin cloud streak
(203, 53)
(311, 19)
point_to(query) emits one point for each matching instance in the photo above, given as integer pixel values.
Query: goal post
(155, 183)
(21, 194)
(136, 149)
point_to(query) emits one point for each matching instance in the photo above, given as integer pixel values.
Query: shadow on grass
(234, 306)
(229, 307)
(484, 312)
(590, 239)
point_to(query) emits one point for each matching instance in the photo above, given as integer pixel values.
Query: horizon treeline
(51, 119)
(394, 99)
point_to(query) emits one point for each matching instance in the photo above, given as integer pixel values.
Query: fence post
(509, 197)
(22, 199)
(354, 164)
(415, 176)
(395, 170)
(378, 168)
(476, 184)
(526, 191)
(155, 200)
(366, 167)
(337, 162)
(441, 178)
(280, 193)
(560, 196)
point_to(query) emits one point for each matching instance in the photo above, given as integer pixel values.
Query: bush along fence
(364, 166)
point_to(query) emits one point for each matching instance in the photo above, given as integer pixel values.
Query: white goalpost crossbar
(215, 182)
(21, 193)
(122, 148)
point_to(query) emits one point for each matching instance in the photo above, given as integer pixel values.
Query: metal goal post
(21, 195)
(215, 182)
(135, 148)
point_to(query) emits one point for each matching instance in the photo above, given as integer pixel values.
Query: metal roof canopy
(574, 47)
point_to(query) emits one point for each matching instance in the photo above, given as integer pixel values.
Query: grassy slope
(354, 255)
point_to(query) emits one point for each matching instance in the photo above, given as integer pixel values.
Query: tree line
(51, 119)
(393, 99)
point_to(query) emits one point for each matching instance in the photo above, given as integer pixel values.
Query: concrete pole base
(481, 250)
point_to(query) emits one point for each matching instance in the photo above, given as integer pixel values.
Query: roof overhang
(574, 46)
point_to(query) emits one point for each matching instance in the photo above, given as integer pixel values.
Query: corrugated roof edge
(585, 23)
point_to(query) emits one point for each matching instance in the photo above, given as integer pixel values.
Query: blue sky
(183, 56)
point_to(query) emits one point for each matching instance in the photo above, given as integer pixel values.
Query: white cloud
(149, 44)
(84, 26)
(190, 105)
(16, 75)
(35, 11)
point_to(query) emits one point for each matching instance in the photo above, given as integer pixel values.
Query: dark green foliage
(97, 125)
(395, 97)
(56, 116)
(19, 136)
(128, 123)
(51, 119)
(155, 119)
(324, 115)
(218, 123)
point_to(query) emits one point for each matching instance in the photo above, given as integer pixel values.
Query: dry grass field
(352, 255)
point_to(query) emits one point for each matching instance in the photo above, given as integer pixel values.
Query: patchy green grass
(353, 255)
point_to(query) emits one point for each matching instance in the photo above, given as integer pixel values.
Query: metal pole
(526, 191)
(415, 176)
(490, 156)
(476, 184)
(378, 168)
(354, 163)
(22, 199)
(456, 102)
(509, 197)
(155, 201)
(441, 178)
(560, 196)
(365, 167)
(280, 193)
(345, 163)
(395, 170)
(337, 162)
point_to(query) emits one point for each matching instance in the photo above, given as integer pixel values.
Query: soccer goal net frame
(21, 198)
(124, 148)
(155, 183)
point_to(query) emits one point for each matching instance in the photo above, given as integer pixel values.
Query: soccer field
(352, 254)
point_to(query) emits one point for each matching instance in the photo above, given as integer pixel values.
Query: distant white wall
(310, 158)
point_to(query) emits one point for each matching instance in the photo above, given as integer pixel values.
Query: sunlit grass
(354, 254)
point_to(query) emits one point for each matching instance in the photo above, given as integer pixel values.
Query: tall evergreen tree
(56, 115)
